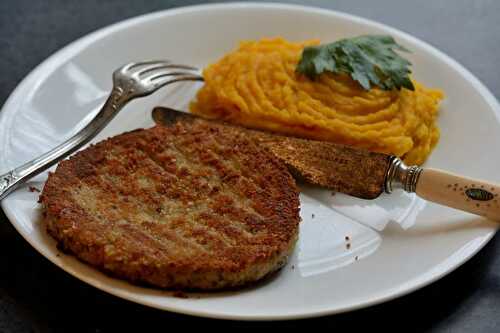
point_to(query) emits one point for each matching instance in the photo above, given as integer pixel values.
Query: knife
(362, 173)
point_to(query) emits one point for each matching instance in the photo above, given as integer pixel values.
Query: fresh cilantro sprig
(369, 60)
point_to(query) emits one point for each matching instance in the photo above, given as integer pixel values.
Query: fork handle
(12, 179)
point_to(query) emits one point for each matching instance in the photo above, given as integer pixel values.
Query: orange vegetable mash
(257, 86)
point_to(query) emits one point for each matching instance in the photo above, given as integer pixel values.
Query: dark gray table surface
(36, 296)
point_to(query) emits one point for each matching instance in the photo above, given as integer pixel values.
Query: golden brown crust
(192, 206)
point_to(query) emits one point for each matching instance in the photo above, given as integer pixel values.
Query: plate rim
(40, 72)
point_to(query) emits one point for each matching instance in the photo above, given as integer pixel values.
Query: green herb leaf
(369, 60)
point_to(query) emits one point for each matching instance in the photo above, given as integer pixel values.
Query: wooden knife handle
(470, 195)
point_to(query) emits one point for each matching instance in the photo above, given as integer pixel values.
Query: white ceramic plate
(421, 243)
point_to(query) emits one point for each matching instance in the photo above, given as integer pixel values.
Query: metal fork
(129, 82)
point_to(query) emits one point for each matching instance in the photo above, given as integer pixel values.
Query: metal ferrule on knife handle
(401, 176)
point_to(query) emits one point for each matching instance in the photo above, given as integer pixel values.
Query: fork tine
(165, 73)
(161, 83)
(126, 67)
(150, 62)
(157, 67)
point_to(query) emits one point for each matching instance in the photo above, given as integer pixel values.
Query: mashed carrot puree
(257, 86)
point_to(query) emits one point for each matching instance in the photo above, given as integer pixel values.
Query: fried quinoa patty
(193, 206)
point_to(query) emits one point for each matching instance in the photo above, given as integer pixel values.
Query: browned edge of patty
(136, 255)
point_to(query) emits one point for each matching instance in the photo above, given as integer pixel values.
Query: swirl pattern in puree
(257, 86)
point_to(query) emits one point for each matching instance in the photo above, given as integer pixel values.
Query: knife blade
(361, 173)
(340, 168)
